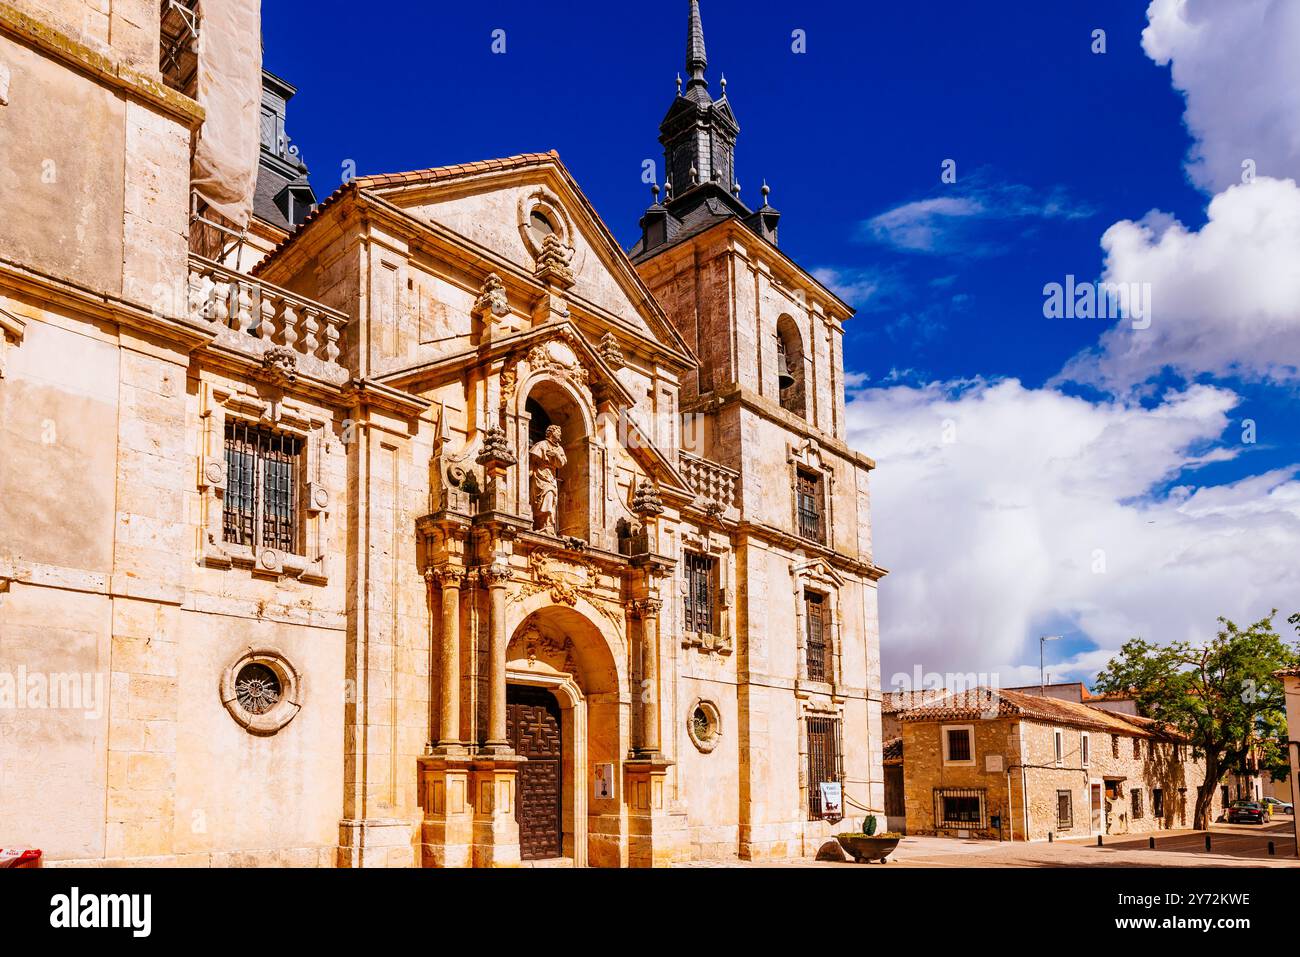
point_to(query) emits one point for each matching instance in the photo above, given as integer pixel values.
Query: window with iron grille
(1064, 810)
(1158, 802)
(701, 593)
(1085, 749)
(260, 507)
(1136, 797)
(1114, 745)
(957, 745)
(818, 644)
(809, 495)
(961, 808)
(823, 758)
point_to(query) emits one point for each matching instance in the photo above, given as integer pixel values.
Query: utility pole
(1042, 683)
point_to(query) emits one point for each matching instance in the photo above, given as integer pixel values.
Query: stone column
(495, 576)
(449, 578)
(647, 609)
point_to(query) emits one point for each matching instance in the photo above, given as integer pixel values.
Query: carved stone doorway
(533, 727)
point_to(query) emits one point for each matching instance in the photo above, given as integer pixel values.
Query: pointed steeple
(697, 60)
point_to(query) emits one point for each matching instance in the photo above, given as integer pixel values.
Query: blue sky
(1053, 145)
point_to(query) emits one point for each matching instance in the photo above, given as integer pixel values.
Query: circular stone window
(704, 725)
(261, 692)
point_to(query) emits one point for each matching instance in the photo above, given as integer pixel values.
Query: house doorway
(533, 728)
(1095, 803)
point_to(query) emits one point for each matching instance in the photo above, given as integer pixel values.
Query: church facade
(424, 526)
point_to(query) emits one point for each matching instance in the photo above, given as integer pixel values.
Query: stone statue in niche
(544, 460)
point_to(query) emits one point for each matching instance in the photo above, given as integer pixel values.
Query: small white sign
(993, 763)
(603, 781)
(831, 798)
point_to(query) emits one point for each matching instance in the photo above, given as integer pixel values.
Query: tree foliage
(1220, 694)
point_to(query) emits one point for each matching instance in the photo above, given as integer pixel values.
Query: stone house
(1008, 765)
(426, 526)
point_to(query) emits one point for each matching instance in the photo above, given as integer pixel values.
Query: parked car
(1279, 806)
(1249, 812)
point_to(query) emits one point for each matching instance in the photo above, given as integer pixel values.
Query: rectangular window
(701, 593)
(809, 496)
(1158, 803)
(962, 808)
(1085, 749)
(817, 639)
(823, 759)
(1136, 797)
(1225, 795)
(958, 748)
(260, 506)
(1058, 741)
(1182, 805)
(1114, 745)
(1137, 747)
(1064, 810)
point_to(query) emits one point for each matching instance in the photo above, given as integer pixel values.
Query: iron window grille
(1137, 747)
(962, 808)
(809, 501)
(1158, 802)
(1064, 810)
(959, 744)
(818, 647)
(823, 759)
(1114, 745)
(260, 506)
(701, 594)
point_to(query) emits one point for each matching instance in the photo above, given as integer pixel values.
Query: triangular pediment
(509, 206)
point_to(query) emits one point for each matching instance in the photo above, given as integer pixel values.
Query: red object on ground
(20, 857)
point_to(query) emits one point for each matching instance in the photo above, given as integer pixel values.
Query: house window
(1182, 805)
(1085, 749)
(260, 506)
(961, 808)
(1158, 803)
(809, 494)
(1114, 745)
(701, 593)
(1064, 810)
(1058, 741)
(1136, 797)
(823, 759)
(818, 646)
(958, 744)
(1137, 747)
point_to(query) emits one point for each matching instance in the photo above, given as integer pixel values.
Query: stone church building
(423, 526)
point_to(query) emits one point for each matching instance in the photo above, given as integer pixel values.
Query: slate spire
(696, 59)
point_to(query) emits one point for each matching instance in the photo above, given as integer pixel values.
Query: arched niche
(790, 351)
(548, 402)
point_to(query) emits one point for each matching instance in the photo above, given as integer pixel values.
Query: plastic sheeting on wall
(224, 172)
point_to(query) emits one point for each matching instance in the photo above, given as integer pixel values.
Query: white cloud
(1225, 299)
(1236, 64)
(1002, 532)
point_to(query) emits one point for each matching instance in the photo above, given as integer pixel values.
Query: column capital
(645, 607)
(495, 575)
(445, 574)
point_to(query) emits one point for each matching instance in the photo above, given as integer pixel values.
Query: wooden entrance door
(533, 726)
(1095, 801)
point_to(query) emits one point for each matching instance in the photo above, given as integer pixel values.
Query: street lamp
(1042, 640)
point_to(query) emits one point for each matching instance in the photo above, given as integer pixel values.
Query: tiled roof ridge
(457, 169)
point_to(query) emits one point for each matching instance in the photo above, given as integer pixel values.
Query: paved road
(1232, 845)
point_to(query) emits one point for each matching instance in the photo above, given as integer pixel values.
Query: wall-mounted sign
(993, 763)
(602, 781)
(832, 799)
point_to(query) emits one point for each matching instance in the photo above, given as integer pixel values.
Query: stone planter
(864, 849)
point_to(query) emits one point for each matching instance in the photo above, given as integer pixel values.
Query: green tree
(1221, 694)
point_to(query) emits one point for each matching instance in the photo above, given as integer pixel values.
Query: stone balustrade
(247, 311)
(715, 485)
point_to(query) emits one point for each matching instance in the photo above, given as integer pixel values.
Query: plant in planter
(867, 845)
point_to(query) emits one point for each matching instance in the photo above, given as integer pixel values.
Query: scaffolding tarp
(230, 91)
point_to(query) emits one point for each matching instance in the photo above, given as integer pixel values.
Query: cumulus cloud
(1225, 299)
(1006, 511)
(1236, 64)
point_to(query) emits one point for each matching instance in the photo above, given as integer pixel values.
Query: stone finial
(610, 352)
(553, 262)
(492, 298)
(496, 449)
(646, 500)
